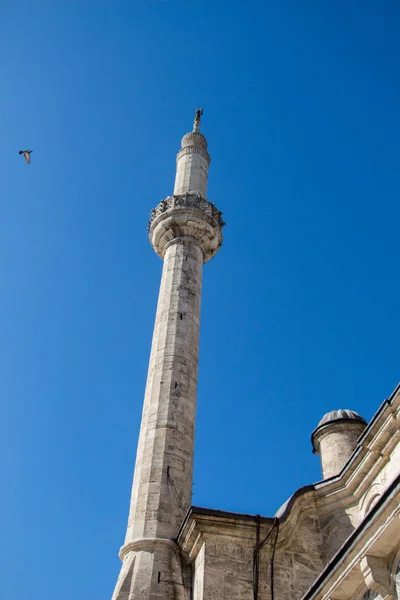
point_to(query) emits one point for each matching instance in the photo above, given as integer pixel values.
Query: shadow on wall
(335, 529)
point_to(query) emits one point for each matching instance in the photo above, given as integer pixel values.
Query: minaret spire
(197, 119)
(185, 231)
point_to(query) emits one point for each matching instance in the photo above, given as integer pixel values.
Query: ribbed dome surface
(343, 413)
(194, 138)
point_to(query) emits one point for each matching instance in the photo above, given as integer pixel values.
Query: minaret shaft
(162, 486)
(192, 164)
(191, 172)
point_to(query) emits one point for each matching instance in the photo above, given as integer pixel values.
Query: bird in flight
(27, 155)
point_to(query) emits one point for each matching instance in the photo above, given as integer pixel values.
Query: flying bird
(26, 154)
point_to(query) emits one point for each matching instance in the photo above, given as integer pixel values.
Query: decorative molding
(191, 201)
(145, 544)
(193, 150)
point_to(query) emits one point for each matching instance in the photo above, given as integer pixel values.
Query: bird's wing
(27, 157)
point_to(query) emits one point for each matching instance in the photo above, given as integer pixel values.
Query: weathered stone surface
(162, 486)
(335, 443)
(192, 164)
(185, 230)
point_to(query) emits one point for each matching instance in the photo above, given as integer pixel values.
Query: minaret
(185, 231)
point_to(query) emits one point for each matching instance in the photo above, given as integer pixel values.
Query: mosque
(338, 539)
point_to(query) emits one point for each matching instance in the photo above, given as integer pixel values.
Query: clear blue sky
(300, 310)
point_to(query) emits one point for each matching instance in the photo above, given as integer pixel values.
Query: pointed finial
(196, 124)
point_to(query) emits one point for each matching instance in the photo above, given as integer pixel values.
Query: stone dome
(343, 414)
(336, 416)
(194, 138)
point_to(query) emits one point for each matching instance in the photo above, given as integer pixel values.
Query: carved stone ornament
(187, 201)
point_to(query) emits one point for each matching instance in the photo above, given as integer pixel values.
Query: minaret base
(152, 569)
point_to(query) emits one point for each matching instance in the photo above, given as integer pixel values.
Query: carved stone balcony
(186, 216)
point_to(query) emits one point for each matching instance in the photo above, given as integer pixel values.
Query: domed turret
(335, 439)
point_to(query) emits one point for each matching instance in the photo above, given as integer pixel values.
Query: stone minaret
(185, 231)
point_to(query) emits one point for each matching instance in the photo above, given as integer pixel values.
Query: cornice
(200, 522)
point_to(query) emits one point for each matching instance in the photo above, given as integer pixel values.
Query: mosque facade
(337, 539)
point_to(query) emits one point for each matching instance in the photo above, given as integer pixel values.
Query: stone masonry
(185, 231)
(335, 439)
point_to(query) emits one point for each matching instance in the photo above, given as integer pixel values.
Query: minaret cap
(194, 137)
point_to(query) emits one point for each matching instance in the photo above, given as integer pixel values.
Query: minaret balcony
(186, 216)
